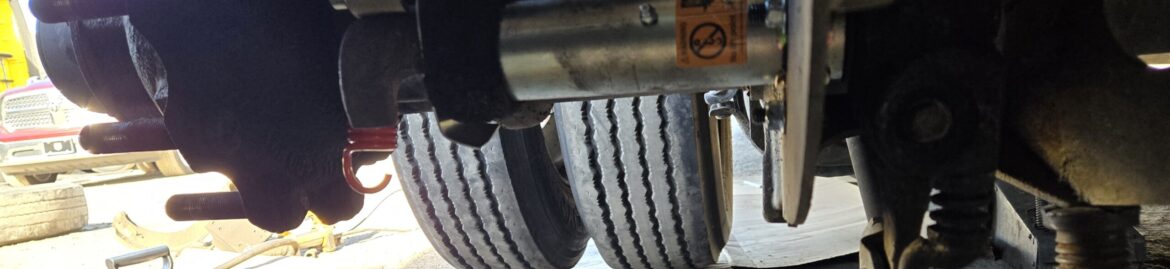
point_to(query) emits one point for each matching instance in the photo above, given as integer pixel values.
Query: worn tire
(29, 180)
(646, 177)
(501, 206)
(41, 211)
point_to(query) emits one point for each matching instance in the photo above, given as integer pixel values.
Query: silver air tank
(590, 49)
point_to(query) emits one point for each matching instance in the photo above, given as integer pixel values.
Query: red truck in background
(39, 130)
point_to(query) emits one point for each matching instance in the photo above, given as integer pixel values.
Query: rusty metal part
(206, 206)
(570, 50)
(142, 256)
(144, 134)
(1096, 121)
(134, 236)
(384, 140)
(1092, 237)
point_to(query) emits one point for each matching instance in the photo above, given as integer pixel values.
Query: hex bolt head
(929, 122)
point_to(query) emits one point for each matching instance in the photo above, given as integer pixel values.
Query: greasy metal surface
(460, 41)
(804, 99)
(564, 50)
(377, 54)
(883, 44)
(236, 85)
(1098, 121)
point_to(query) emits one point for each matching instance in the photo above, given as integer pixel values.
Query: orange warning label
(711, 32)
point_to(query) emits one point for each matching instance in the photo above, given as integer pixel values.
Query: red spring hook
(367, 140)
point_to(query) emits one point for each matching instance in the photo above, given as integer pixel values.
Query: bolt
(721, 103)
(930, 122)
(648, 14)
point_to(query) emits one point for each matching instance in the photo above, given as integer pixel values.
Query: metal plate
(804, 102)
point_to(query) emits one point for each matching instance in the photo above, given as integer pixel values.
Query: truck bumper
(31, 157)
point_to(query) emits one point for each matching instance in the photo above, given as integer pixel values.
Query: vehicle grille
(37, 110)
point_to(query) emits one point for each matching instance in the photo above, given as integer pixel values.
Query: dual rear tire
(644, 181)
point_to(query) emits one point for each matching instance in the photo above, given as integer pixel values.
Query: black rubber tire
(41, 211)
(501, 206)
(644, 174)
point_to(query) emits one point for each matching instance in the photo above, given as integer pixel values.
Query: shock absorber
(1092, 237)
(962, 229)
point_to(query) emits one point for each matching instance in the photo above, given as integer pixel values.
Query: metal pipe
(206, 206)
(141, 256)
(149, 134)
(565, 50)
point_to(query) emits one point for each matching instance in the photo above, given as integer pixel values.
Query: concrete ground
(397, 242)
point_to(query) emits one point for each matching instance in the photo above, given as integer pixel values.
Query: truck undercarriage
(544, 123)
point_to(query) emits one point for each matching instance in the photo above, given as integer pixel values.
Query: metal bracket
(803, 97)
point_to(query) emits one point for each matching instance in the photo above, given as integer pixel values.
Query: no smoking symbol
(708, 40)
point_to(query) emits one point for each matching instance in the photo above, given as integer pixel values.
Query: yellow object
(14, 68)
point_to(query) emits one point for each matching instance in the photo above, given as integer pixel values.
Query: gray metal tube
(565, 50)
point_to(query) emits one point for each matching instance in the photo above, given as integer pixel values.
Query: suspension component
(1092, 237)
(962, 229)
